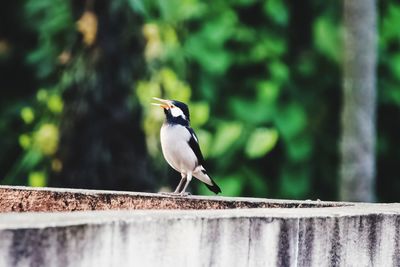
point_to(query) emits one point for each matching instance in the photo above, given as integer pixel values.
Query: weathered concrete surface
(22, 199)
(352, 235)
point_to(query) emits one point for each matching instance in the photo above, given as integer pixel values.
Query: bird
(180, 146)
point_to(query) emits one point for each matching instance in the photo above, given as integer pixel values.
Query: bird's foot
(175, 194)
(169, 193)
(185, 194)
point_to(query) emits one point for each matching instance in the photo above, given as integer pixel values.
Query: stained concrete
(354, 234)
(23, 199)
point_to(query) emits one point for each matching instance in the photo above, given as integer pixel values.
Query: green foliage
(327, 37)
(262, 82)
(261, 141)
(52, 22)
(245, 114)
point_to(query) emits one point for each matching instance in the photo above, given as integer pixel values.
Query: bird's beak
(166, 104)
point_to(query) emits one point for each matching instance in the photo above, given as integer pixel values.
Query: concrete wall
(354, 235)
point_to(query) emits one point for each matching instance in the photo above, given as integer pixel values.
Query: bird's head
(175, 111)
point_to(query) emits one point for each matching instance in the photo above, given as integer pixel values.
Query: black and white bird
(180, 146)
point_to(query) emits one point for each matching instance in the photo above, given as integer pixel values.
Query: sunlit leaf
(154, 47)
(227, 134)
(174, 87)
(46, 139)
(199, 113)
(27, 115)
(145, 91)
(24, 141)
(55, 104)
(261, 141)
(37, 179)
(87, 25)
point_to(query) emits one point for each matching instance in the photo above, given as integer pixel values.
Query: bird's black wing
(194, 145)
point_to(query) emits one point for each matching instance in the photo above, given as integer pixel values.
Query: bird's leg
(178, 188)
(188, 179)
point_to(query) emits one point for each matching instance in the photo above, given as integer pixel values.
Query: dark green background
(262, 78)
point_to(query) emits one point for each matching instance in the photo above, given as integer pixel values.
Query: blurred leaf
(54, 25)
(205, 140)
(327, 38)
(87, 25)
(24, 141)
(213, 60)
(199, 113)
(169, 36)
(269, 47)
(27, 115)
(267, 91)
(261, 141)
(140, 6)
(207, 45)
(46, 139)
(42, 95)
(227, 134)
(178, 10)
(174, 88)
(250, 111)
(277, 10)
(279, 71)
(55, 104)
(389, 26)
(145, 91)
(395, 65)
(154, 47)
(37, 179)
(291, 120)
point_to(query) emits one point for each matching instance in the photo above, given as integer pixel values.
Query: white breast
(175, 147)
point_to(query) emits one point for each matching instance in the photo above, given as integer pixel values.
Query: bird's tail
(203, 176)
(215, 188)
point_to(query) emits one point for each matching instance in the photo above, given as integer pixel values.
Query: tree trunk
(358, 114)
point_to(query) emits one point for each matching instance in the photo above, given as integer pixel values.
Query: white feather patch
(202, 176)
(176, 112)
(176, 149)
